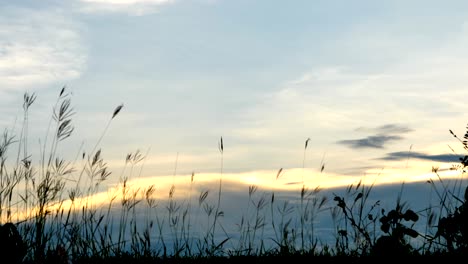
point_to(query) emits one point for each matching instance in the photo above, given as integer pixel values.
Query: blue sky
(375, 85)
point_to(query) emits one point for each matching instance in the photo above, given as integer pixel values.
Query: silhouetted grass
(47, 215)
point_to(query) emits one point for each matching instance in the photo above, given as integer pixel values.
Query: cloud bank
(131, 7)
(38, 47)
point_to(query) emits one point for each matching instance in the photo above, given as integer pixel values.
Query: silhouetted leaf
(410, 215)
(411, 232)
(393, 214)
(385, 227)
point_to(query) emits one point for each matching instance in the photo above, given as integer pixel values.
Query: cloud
(383, 134)
(400, 155)
(131, 7)
(387, 129)
(377, 141)
(38, 47)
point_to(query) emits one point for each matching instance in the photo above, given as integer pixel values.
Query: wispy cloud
(386, 129)
(131, 7)
(38, 47)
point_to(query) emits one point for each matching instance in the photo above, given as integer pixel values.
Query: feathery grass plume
(117, 110)
(187, 235)
(28, 100)
(245, 240)
(114, 114)
(61, 97)
(272, 211)
(278, 174)
(204, 244)
(151, 204)
(259, 224)
(284, 234)
(8, 181)
(221, 145)
(322, 163)
(304, 157)
(48, 188)
(218, 212)
(302, 196)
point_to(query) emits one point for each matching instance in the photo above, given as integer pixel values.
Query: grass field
(47, 216)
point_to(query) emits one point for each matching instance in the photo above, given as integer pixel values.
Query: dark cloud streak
(418, 155)
(382, 135)
(377, 141)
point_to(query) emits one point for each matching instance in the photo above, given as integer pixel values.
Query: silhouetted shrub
(394, 243)
(12, 246)
(454, 228)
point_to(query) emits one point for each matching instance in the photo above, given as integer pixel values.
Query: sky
(372, 87)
